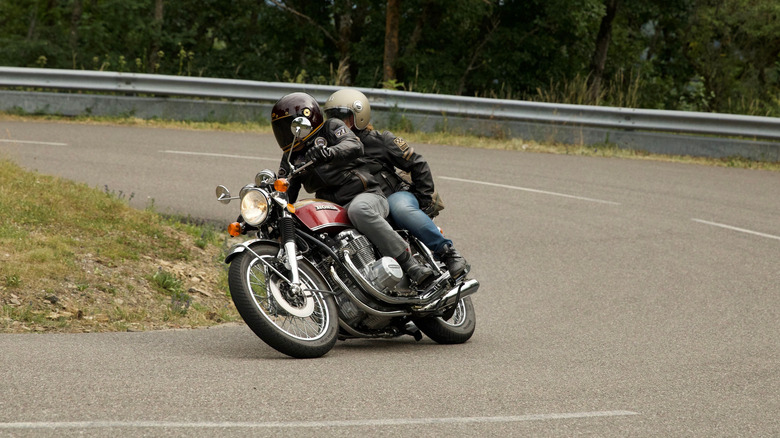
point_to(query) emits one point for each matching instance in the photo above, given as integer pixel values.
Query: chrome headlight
(254, 206)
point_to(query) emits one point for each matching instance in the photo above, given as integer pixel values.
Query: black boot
(417, 272)
(455, 263)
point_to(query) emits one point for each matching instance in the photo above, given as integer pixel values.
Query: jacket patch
(401, 143)
(340, 132)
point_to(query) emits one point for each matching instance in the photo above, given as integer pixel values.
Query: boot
(417, 272)
(455, 263)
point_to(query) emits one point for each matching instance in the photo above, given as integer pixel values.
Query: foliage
(703, 55)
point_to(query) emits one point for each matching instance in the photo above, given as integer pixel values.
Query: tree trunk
(33, 24)
(600, 55)
(477, 53)
(393, 20)
(344, 26)
(424, 19)
(157, 24)
(75, 19)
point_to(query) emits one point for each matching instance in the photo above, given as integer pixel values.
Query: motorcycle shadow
(237, 342)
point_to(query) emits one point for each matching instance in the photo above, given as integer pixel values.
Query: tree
(157, 30)
(392, 25)
(599, 58)
(75, 20)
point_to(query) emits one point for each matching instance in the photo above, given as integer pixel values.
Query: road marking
(530, 190)
(47, 143)
(206, 154)
(741, 230)
(306, 424)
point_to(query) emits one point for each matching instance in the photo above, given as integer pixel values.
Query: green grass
(101, 259)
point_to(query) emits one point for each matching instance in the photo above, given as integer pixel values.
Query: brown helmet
(288, 108)
(343, 102)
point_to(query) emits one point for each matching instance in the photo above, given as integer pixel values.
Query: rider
(411, 206)
(338, 175)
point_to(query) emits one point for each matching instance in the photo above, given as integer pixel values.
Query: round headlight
(254, 207)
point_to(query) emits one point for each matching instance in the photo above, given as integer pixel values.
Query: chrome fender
(241, 247)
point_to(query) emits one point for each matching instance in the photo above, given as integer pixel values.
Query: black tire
(456, 330)
(299, 337)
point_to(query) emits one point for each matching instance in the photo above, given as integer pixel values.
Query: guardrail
(676, 132)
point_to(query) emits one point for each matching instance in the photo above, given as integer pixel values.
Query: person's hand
(319, 154)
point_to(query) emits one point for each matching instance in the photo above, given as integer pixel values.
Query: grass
(75, 258)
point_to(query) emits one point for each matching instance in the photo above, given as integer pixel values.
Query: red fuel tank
(321, 215)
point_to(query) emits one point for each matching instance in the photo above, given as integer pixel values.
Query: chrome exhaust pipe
(362, 306)
(468, 287)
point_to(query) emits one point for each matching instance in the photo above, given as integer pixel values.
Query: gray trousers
(367, 212)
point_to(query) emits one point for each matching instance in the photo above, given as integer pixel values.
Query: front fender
(241, 247)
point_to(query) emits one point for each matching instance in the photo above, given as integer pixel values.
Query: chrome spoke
(311, 327)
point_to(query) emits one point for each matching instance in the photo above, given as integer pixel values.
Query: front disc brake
(303, 311)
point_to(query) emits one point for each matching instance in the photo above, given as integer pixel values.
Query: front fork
(287, 224)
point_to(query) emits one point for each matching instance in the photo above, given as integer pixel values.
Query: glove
(319, 154)
(429, 208)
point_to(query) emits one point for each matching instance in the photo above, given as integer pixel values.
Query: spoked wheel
(297, 321)
(455, 330)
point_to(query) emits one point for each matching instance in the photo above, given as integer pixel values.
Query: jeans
(405, 212)
(367, 212)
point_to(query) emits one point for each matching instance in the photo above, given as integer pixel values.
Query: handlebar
(301, 169)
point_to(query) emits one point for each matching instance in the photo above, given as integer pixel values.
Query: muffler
(468, 287)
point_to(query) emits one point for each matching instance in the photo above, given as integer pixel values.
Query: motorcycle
(305, 277)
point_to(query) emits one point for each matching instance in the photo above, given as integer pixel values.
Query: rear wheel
(298, 322)
(455, 330)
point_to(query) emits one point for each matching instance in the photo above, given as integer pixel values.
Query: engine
(383, 272)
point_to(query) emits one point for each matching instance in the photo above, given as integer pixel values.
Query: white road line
(47, 143)
(305, 424)
(206, 154)
(530, 190)
(741, 230)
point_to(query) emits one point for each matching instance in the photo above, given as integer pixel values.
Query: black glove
(429, 208)
(319, 154)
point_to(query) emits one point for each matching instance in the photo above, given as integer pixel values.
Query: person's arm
(403, 156)
(344, 145)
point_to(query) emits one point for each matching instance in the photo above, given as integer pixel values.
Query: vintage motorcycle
(306, 277)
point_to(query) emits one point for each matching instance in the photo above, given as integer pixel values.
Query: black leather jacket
(385, 152)
(340, 179)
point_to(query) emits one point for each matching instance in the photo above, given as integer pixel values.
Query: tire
(456, 330)
(270, 318)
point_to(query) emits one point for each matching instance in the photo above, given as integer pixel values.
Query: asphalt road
(618, 298)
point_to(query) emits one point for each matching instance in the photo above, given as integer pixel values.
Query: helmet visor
(338, 113)
(282, 132)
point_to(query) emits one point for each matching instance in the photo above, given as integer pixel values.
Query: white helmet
(343, 102)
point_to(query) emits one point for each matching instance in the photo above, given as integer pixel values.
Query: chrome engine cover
(385, 273)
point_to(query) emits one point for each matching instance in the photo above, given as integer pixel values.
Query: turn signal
(234, 229)
(291, 208)
(281, 185)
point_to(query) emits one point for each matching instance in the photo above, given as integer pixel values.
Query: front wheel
(297, 322)
(455, 330)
